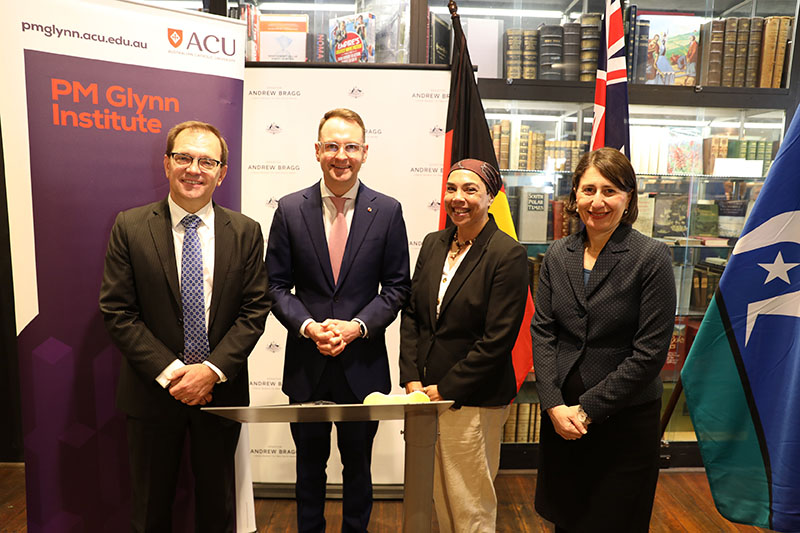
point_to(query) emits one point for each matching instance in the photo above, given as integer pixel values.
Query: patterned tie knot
(191, 221)
(338, 203)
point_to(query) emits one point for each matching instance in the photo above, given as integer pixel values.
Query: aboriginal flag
(468, 136)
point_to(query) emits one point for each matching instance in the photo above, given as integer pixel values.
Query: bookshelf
(562, 111)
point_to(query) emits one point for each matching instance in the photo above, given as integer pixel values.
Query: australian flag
(742, 374)
(610, 124)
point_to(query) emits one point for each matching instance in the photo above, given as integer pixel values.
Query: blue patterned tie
(195, 336)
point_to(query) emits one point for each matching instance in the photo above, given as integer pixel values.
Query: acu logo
(210, 44)
(175, 37)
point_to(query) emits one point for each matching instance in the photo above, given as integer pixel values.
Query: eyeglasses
(185, 160)
(333, 148)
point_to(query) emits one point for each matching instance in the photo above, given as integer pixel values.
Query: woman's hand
(567, 422)
(412, 386)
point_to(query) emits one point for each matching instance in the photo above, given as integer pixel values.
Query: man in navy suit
(342, 247)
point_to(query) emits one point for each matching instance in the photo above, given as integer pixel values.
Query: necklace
(460, 245)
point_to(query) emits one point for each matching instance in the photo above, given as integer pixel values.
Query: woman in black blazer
(467, 302)
(605, 310)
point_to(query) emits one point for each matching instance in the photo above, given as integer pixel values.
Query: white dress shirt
(447, 274)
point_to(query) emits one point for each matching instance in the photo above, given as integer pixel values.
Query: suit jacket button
(180, 320)
(335, 298)
(581, 313)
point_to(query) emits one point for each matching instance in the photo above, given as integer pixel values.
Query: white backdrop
(404, 111)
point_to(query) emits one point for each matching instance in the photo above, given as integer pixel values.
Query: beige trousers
(467, 459)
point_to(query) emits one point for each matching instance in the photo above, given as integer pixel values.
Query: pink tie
(338, 237)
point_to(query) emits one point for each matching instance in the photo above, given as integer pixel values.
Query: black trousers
(156, 446)
(313, 442)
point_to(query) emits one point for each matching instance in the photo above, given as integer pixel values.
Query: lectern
(420, 432)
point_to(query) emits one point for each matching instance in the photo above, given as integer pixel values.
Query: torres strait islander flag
(742, 374)
(468, 136)
(610, 124)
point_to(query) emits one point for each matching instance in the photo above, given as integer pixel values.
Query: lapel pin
(369, 210)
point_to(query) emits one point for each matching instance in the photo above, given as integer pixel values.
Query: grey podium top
(313, 412)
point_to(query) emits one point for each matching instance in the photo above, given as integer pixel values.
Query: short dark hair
(614, 167)
(344, 114)
(197, 125)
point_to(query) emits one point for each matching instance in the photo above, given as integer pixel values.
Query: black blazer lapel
(608, 258)
(223, 247)
(469, 263)
(160, 224)
(311, 210)
(364, 214)
(574, 262)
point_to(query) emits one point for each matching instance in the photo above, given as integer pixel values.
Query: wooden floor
(683, 503)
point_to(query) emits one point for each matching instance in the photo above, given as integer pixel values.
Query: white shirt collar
(176, 212)
(350, 194)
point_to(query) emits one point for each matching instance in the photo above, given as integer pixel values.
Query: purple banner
(97, 134)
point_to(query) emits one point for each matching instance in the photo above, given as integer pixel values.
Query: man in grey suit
(184, 297)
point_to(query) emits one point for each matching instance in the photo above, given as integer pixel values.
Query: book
(533, 216)
(590, 46)
(571, 51)
(676, 355)
(715, 241)
(703, 296)
(496, 134)
(439, 40)
(551, 50)
(672, 51)
(705, 219)
(713, 39)
(557, 208)
(784, 34)
(669, 217)
(249, 13)
(694, 303)
(352, 38)
(283, 37)
(510, 427)
(769, 43)
(753, 52)
(629, 29)
(505, 144)
(646, 203)
(740, 61)
(524, 138)
(729, 51)
(685, 151)
(731, 217)
(641, 63)
(512, 64)
(533, 423)
(317, 47)
(530, 54)
(523, 422)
